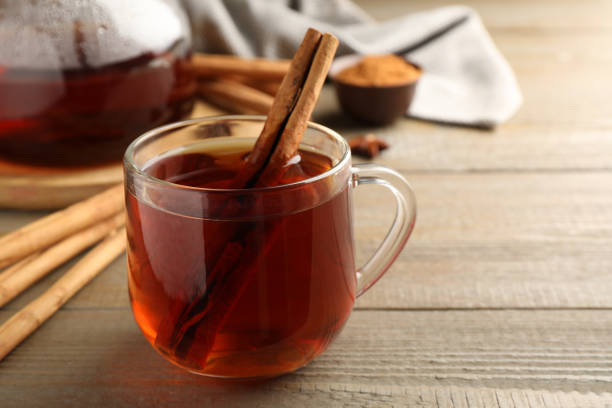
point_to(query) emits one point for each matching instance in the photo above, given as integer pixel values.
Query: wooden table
(502, 297)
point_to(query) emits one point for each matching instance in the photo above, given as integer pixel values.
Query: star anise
(367, 145)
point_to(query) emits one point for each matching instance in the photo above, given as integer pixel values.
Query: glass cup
(249, 283)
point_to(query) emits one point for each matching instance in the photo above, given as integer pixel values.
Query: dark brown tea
(255, 288)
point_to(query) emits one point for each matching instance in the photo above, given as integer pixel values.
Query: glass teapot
(79, 79)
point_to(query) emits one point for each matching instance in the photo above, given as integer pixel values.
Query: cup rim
(130, 166)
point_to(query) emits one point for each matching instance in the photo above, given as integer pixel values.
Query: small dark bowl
(377, 105)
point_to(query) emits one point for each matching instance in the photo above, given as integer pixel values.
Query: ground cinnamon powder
(379, 70)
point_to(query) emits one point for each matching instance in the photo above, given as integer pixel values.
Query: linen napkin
(466, 80)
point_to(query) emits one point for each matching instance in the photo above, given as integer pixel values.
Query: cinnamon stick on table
(211, 65)
(277, 143)
(235, 96)
(52, 228)
(33, 268)
(14, 268)
(28, 319)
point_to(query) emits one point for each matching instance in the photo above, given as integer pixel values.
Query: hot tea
(240, 250)
(257, 287)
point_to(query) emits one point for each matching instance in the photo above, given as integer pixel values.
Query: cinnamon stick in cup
(277, 143)
(283, 106)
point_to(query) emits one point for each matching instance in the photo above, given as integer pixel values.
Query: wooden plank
(490, 240)
(47, 188)
(419, 146)
(497, 240)
(453, 359)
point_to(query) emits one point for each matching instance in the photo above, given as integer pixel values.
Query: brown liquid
(275, 299)
(89, 116)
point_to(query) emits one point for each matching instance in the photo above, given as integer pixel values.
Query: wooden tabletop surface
(502, 297)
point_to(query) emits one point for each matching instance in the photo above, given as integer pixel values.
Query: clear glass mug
(249, 283)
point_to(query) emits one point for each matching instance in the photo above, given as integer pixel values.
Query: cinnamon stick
(270, 87)
(211, 65)
(278, 141)
(15, 267)
(52, 228)
(282, 107)
(298, 120)
(41, 264)
(235, 96)
(28, 319)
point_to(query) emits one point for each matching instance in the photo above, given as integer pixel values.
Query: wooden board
(495, 240)
(382, 359)
(34, 189)
(26, 187)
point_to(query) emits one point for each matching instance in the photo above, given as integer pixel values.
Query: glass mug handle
(403, 224)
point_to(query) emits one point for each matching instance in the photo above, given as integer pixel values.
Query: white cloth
(466, 80)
